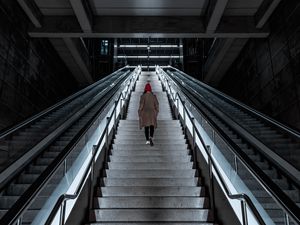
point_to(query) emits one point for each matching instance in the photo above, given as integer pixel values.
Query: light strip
(151, 46)
(151, 57)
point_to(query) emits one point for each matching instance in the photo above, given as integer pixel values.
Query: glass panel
(68, 175)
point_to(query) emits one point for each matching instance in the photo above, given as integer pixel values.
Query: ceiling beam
(215, 12)
(32, 11)
(83, 14)
(148, 26)
(265, 11)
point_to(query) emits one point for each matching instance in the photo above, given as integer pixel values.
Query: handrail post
(106, 138)
(65, 167)
(235, 163)
(115, 116)
(244, 212)
(193, 133)
(194, 143)
(286, 219)
(211, 181)
(121, 109)
(177, 113)
(62, 213)
(91, 194)
(19, 222)
(184, 116)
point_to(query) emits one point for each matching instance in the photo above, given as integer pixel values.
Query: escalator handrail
(65, 197)
(286, 204)
(51, 108)
(258, 114)
(241, 196)
(16, 211)
(23, 165)
(292, 177)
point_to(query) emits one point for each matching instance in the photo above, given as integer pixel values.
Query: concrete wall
(266, 75)
(32, 76)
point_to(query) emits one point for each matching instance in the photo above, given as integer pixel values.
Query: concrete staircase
(150, 185)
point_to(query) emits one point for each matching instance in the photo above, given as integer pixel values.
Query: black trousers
(147, 129)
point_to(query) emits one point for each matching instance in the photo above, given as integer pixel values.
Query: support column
(115, 53)
(181, 53)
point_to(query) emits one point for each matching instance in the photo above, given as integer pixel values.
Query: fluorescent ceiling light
(151, 46)
(151, 56)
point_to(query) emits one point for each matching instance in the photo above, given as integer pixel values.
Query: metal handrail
(244, 106)
(18, 170)
(292, 178)
(251, 205)
(51, 108)
(89, 169)
(264, 180)
(15, 213)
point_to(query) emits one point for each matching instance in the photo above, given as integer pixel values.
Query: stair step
(168, 158)
(142, 142)
(151, 182)
(146, 147)
(27, 217)
(44, 161)
(112, 173)
(165, 223)
(135, 137)
(150, 215)
(148, 153)
(293, 194)
(150, 202)
(152, 191)
(254, 185)
(19, 189)
(153, 166)
(8, 201)
(157, 131)
(36, 169)
(159, 125)
(136, 122)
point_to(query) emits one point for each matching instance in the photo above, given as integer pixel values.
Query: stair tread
(152, 182)
(152, 191)
(150, 202)
(151, 215)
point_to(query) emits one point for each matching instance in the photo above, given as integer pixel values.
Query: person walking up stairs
(150, 184)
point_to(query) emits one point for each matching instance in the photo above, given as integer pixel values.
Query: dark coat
(148, 110)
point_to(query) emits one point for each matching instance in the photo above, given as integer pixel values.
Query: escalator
(35, 149)
(247, 154)
(268, 146)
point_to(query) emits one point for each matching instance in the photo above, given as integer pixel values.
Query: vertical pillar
(181, 53)
(115, 54)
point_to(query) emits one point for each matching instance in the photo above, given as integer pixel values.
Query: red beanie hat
(148, 87)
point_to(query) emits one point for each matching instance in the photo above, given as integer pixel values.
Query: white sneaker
(147, 142)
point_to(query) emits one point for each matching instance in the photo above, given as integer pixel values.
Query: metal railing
(51, 108)
(285, 204)
(11, 171)
(14, 215)
(89, 171)
(258, 114)
(245, 200)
